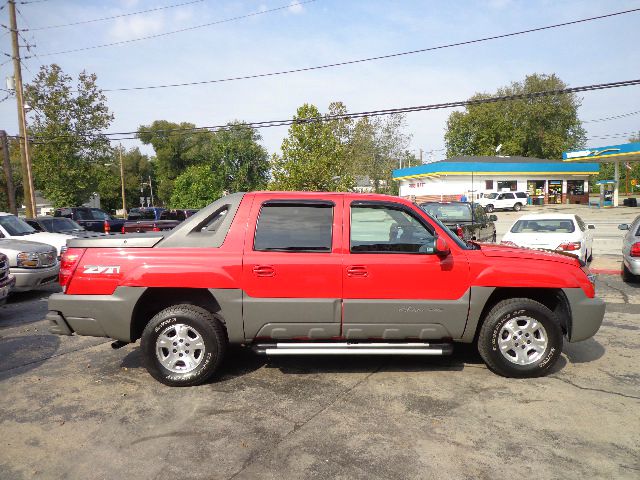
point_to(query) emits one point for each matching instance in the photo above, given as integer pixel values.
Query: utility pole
(124, 202)
(420, 156)
(153, 204)
(29, 194)
(8, 175)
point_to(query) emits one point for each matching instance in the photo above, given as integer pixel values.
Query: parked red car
(295, 273)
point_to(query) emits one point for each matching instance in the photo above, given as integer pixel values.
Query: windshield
(491, 196)
(59, 224)
(15, 226)
(98, 214)
(449, 212)
(544, 226)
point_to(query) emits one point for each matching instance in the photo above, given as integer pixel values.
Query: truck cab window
(294, 228)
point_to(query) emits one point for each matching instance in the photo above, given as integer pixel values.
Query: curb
(606, 271)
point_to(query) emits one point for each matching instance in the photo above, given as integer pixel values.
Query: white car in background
(552, 231)
(503, 201)
(14, 227)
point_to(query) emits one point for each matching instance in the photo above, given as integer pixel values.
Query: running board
(360, 348)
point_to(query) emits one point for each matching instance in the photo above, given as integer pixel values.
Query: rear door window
(291, 227)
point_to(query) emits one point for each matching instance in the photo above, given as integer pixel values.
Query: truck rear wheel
(520, 338)
(517, 207)
(183, 345)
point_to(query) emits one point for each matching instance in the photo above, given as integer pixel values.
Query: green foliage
(196, 187)
(65, 126)
(378, 145)
(541, 127)
(16, 170)
(176, 148)
(315, 155)
(137, 168)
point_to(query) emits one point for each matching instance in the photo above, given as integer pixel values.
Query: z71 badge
(102, 269)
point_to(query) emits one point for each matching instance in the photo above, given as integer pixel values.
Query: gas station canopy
(627, 152)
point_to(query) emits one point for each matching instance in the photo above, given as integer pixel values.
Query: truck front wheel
(183, 345)
(520, 338)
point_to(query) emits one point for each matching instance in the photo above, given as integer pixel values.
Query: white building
(546, 181)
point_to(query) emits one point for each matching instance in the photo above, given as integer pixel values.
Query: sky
(304, 34)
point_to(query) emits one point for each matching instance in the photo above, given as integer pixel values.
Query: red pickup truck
(297, 273)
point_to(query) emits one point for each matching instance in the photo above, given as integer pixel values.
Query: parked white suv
(503, 201)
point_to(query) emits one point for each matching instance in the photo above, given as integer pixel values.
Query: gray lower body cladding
(586, 314)
(95, 315)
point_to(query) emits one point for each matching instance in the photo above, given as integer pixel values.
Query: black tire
(494, 239)
(627, 276)
(491, 329)
(489, 208)
(517, 207)
(207, 325)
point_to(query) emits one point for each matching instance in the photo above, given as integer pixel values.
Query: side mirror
(623, 226)
(591, 227)
(442, 247)
(493, 218)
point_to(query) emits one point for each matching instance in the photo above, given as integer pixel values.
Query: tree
(16, 169)
(137, 168)
(377, 146)
(65, 131)
(177, 146)
(229, 160)
(542, 127)
(196, 187)
(315, 154)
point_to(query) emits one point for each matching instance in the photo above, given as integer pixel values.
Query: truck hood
(491, 250)
(57, 240)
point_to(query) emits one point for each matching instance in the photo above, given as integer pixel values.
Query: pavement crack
(298, 426)
(569, 382)
(625, 297)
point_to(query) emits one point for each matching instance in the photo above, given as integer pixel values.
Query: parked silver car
(32, 264)
(631, 250)
(7, 281)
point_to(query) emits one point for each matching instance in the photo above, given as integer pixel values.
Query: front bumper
(586, 314)
(6, 286)
(31, 278)
(632, 264)
(94, 315)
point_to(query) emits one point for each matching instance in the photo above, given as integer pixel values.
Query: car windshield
(547, 225)
(59, 224)
(15, 226)
(491, 195)
(449, 212)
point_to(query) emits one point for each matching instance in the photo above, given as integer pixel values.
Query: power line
(369, 59)
(83, 22)
(612, 118)
(123, 42)
(372, 113)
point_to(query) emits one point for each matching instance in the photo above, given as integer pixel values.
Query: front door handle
(357, 271)
(264, 271)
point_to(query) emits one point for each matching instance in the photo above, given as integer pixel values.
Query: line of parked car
(30, 249)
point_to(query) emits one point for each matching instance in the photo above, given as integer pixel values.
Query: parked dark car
(51, 224)
(145, 213)
(179, 214)
(92, 219)
(143, 220)
(467, 220)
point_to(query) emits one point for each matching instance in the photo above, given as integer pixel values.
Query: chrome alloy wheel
(523, 340)
(180, 348)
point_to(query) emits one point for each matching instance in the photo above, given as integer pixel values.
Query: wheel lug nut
(187, 344)
(516, 344)
(186, 351)
(174, 344)
(179, 354)
(181, 340)
(528, 342)
(175, 351)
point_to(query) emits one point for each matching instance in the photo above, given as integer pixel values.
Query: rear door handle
(264, 271)
(357, 271)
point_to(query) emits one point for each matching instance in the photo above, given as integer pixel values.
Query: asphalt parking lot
(72, 407)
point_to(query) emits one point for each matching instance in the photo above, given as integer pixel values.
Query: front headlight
(28, 260)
